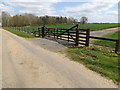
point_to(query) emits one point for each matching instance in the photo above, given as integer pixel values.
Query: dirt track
(0, 59)
(26, 65)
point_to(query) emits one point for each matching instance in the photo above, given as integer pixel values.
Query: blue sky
(60, 6)
(95, 10)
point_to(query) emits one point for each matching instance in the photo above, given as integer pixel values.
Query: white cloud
(94, 10)
(36, 8)
(103, 1)
(51, 1)
(6, 8)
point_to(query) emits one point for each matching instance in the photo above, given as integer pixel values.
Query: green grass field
(99, 61)
(92, 27)
(108, 43)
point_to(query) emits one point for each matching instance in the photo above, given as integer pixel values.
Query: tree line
(31, 20)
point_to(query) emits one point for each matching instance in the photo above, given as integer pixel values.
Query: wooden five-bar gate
(73, 35)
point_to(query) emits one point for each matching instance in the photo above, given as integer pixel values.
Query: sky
(97, 11)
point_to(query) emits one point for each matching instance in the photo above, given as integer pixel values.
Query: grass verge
(108, 43)
(19, 33)
(103, 62)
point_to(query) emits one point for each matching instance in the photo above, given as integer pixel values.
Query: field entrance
(74, 35)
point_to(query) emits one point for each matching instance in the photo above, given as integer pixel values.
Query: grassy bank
(108, 43)
(19, 33)
(99, 61)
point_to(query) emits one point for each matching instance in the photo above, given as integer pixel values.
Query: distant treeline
(30, 20)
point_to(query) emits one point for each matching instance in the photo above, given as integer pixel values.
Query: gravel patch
(50, 43)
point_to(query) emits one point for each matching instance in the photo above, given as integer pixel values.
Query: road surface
(0, 59)
(26, 65)
(101, 33)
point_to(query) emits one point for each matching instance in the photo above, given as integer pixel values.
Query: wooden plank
(67, 40)
(87, 37)
(82, 43)
(68, 35)
(102, 38)
(57, 33)
(43, 34)
(82, 40)
(64, 37)
(82, 29)
(83, 33)
(117, 47)
(77, 37)
(82, 37)
(72, 32)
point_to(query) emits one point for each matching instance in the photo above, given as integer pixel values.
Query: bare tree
(5, 18)
(83, 20)
(0, 17)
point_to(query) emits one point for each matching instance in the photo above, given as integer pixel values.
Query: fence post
(77, 37)
(38, 32)
(48, 33)
(68, 35)
(43, 34)
(87, 37)
(33, 31)
(57, 33)
(54, 33)
(60, 33)
(117, 48)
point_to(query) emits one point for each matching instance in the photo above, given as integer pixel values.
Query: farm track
(0, 59)
(26, 65)
(104, 32)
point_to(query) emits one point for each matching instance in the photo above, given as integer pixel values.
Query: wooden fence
(73, 35)
(77, 36)
(117, 46)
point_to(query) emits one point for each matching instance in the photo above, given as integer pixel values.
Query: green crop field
(108, 43)
(92, 27)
